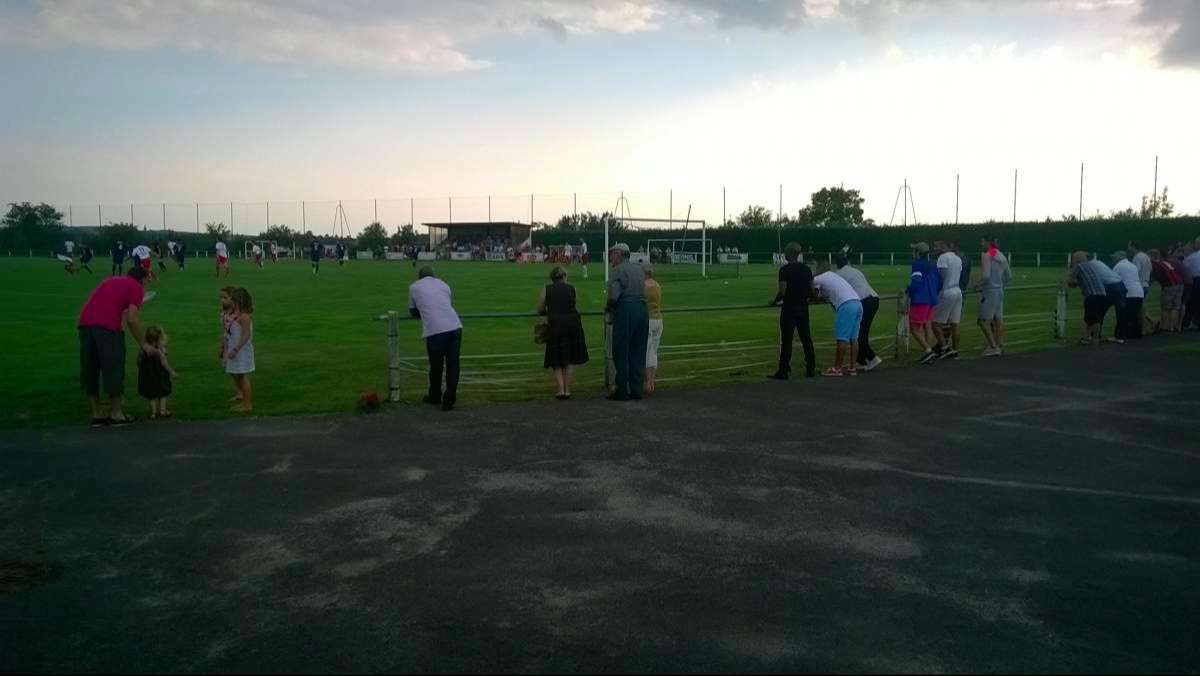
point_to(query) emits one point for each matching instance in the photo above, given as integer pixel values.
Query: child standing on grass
(155, 373)
(237, 346)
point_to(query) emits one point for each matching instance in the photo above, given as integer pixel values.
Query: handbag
(541, 332)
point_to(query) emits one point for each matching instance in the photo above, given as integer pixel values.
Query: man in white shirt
(583, 257)
(1129, 322)
(274, 252)
(441, 329)
(870, 301)
(1191, 270)
(849, 313)
(258, 252)
(948, 312)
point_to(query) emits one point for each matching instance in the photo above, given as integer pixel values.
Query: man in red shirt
(1170, 278)
(114, 304)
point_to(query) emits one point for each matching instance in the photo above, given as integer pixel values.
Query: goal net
(680, 251)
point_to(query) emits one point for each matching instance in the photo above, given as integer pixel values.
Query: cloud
(1181, 20)
(767, 14)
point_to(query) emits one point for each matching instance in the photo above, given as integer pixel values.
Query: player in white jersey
(258, 255)
(222, 257)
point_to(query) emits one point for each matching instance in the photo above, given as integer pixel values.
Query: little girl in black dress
(155, 373)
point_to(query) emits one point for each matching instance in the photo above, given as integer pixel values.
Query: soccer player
(870, 303)
(849, 311)
(1129, 320)
(923, 288)
(441, 329)
(222, 257)
(158, 257)
(118, 258)
(85, 257)
(994, 277)
(340, 251)
(947, 314)
(180, 254)
(795, 290)
(583, 257)
(274, 252)
(314, 255)
(141, 258)
(1171, 297)
(258, 255)
(1101, 289)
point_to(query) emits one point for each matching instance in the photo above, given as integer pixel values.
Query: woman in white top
(867, 358)
(1129, 318)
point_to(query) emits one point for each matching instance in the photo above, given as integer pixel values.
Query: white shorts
(652, 342)
(949, 307)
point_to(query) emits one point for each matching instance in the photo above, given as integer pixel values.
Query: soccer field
(318, 346)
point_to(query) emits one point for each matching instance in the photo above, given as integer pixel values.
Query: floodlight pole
(905, 217)
(451, 200)
(1014, 195)
(164, 208)
(1154, 202)
(956, 178)
(671, 210)
(376, 210)
(100, 216)
(531, 211)
(303, 216)
(489, 208)
(268, 216)
(131, 214)
(724, 214)
(231, 218)
(197, 205)
(70, 215)
(1081, 191)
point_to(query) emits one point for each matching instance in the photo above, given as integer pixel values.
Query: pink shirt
(109, 301)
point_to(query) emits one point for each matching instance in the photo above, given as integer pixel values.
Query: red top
(109, 301)
(1165, 274)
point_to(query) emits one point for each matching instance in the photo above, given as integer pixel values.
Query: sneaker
(948, 355)
(991, 352)
(928, 357)
(832, 372)
(871, 365)
(851, 372)
(1116, 341)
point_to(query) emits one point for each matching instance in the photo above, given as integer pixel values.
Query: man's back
(430, 296)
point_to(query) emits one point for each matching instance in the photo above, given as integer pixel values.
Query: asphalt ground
(1028, 513)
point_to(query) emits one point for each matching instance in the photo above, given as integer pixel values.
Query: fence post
(902, 335)
(1039, 259)
(893, 258)
(1060, 314)
(393, 338)
(610, 365)
(860, 259)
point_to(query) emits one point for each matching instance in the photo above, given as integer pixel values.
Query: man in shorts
(113, 305)
(222, 252)
(994, 277)
(258, 255)
(867, 358)
(848, 311)
(583, 257)
(274, 252)
(947, 314)
(141, 256)
(314, 256)
(923, 288)
(1101, 289)
(1171, 297)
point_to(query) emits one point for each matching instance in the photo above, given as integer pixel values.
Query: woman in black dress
(565, 344)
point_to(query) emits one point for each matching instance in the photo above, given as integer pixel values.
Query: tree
(373, 238)
(1156, 206)
(278, 233)
(577, 224)
(217, 230)
(756, 216)
(27, 226)
(406, 235)
(833, 208)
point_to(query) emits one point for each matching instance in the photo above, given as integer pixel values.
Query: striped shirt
(1092, 276)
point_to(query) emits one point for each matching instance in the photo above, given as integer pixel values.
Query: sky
(181, 107)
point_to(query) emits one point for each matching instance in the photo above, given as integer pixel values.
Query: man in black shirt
(795, 290)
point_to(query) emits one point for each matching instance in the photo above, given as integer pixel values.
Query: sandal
(126, 419)
(832, 372)
(166, 414)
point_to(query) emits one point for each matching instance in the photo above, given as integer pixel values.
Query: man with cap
(947, 313)
(795, 290)
(630, 323)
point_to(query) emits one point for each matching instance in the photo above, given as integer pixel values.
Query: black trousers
(1191, 312)
(870, 308)
(1130, 326)
(793, 319)
(443, 350)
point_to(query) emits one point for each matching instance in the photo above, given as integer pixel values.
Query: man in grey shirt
(630, 323)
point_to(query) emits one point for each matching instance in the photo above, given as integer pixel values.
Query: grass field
(318, 346)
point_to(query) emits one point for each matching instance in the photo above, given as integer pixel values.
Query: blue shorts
(848, 322)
